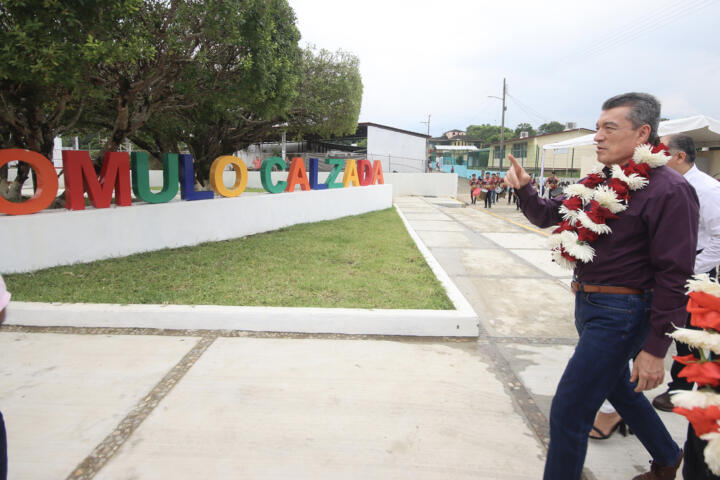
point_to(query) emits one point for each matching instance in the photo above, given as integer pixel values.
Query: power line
(637, 28)
(529, 110)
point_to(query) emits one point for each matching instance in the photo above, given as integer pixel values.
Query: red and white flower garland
(702, 407)
(597, 198)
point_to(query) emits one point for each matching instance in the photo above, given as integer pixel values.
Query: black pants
(3, 450)
(694, 466)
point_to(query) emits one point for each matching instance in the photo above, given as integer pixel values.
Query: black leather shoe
(663, 402)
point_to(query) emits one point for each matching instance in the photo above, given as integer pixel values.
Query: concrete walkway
(143, 403)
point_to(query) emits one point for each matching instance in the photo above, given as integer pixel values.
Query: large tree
(551, 127)
(46, 59)
(525, 127)
(308, 92)
(487, 133)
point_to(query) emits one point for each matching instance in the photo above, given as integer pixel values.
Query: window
(519, 150)
(499, 153)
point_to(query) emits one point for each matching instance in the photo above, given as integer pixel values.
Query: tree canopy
(210, 76)
(487, 133)
(550, 127)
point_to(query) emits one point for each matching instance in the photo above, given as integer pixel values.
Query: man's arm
(672, 225)
(540, 211)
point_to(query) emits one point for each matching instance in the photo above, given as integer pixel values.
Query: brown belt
(584, 287)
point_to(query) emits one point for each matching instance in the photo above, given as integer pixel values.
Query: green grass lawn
(365, 261)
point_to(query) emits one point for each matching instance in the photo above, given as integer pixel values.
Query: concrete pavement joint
(102, 453)
(226, 334)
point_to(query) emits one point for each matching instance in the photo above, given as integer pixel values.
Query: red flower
(563, 226)
(573, 203)
(620, 187)
(686, 359)
(566, 255)
(642, 169)
(599, 214)
(702, 317)
(704, 420)
(702, 373)
(706, 300)
(661, 147)
(586, 235)
(592, 180)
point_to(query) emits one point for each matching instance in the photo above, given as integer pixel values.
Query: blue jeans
(612, 330)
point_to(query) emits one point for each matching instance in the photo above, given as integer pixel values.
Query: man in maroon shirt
(628, 294)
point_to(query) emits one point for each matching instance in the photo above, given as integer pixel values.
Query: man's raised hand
(516, 176)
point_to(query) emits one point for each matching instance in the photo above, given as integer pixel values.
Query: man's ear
(644, 134)
(682, 156)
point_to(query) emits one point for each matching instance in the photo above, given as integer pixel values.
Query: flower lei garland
(702, 407)
(592, 201)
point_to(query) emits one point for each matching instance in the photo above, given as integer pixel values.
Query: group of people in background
(492, 186)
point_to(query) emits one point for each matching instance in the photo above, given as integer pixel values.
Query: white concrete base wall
(61, 237)
(423, 184)
(423, 323)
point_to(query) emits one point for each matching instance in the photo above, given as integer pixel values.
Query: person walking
(617, 231)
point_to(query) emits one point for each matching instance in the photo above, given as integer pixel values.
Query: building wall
(561, 159)
(397, 151)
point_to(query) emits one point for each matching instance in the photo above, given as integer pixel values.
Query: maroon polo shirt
(652, 246)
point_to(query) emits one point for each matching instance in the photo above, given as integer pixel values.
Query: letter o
(216, 176)
(47, 182)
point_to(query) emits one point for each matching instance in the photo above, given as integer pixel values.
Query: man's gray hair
(644, 110)
(682, 142)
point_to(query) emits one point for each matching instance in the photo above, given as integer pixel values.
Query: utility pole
(427, 140)
(502, 125)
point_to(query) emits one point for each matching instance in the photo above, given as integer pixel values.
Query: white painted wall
(61, 237)
(398, 151)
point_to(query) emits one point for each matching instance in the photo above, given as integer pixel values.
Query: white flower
(698, 339)
(697, 399)
(607, 198)
(597, 169)
(579, 190)
(569, 241)
(703, 283)
(599, 228)
(562, 261)
(643, 154)
(712, 455)
(634, 181)
(569, 215)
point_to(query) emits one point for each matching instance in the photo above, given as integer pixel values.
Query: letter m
(80, 177)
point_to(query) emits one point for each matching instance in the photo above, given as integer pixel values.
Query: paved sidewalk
(142, 403)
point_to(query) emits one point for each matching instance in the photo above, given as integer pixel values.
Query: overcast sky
(561, 58)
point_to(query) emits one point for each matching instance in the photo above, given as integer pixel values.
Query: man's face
(616, 139)
(676, 161)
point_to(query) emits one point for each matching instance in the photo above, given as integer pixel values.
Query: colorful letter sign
(47, 182)
(119, 168)
(80, 177)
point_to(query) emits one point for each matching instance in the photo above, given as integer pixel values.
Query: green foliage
(331, 94)
(551, 127)
(488, 133)
(525, 127)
